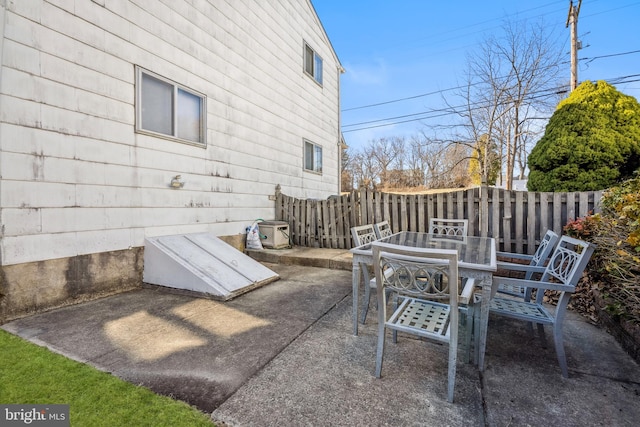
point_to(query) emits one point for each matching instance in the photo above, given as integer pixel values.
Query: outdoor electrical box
(274, 234)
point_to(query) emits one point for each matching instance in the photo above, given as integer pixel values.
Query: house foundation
(40, 286)
(35, 287)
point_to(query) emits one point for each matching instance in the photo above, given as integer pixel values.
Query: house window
(312, 64)
(312, 157)
(165, 108)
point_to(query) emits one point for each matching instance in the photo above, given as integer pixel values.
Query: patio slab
(193, 349)
(284, 355)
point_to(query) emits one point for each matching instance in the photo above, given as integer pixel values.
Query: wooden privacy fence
(517, 219)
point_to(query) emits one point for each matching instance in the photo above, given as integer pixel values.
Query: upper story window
(167, 109)
(312, 157)
(312, 64)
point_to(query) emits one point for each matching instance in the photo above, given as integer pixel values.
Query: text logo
(34, 415)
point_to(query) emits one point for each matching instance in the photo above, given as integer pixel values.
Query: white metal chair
(362, 235)
(537, 261)
(561, 274)
(382, 229)
(451, 228)
(427, 307)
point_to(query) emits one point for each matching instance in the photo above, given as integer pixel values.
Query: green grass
(30, 374)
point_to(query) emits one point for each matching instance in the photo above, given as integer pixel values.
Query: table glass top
(471, 250)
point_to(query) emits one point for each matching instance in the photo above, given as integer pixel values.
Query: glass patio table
(476, 259)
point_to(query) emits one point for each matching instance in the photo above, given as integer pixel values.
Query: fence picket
(413, 219)
(404, 223)
(533, 233)
(497, 212)
(557, 212)
(472, 212)
(421, 219)
(508, 222)
(459, 196)
(521, 221)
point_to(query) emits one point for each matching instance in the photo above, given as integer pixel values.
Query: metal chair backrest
(363, 234)
(425, 273)
(547, 244)
(383, 229)
(567, 262)
(449, 227)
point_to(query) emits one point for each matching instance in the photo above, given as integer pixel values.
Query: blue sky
(393, 50)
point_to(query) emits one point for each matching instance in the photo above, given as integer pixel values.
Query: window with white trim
(167, 109)
(312, 157)
(312, 64)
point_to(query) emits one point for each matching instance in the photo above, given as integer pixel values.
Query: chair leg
(543, 337)
(557, 333)
(530, 329)
(476, 329)
(380, 349)
(453, 360)
(395, 307)
(466, 317)
(367, 292)
(562, 358)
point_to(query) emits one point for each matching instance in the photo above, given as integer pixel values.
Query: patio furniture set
(442, 285)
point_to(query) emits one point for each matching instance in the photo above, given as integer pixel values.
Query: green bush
(591, 142)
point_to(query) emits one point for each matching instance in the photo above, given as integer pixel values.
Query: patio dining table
(476, 259)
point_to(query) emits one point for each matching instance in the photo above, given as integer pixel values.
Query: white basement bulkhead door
(202, 263)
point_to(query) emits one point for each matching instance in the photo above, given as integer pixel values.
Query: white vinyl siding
(80, 174)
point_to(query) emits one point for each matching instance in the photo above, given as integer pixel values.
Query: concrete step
(338, 259)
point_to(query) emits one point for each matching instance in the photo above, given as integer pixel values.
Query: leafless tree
(346, 171)
(417, 158)
(510, 81)
(387, 154)
(394, 163)
(442, 163)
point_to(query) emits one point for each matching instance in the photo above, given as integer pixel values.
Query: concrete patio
(284, 355)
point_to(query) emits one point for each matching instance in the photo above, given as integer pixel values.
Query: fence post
(279, 216)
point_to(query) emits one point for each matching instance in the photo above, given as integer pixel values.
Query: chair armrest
(534, 284)
(467, 291)
(520, 267)
(514, 255)
(387, 273)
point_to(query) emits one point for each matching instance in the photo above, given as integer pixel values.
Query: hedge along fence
(517, 219)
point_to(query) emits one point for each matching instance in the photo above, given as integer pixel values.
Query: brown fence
(517, 219)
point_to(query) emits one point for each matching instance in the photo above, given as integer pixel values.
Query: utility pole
(573, 20)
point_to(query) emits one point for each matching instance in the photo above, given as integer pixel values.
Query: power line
(402, 99)
(454, 109)
(588, 59)
(476, 106)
